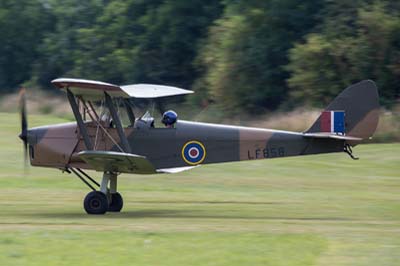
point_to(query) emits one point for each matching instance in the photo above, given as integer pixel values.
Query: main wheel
(95, 203)
(116, 203)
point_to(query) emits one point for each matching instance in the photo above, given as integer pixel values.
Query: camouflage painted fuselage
(164, 147)
(192, 143)
(57, 146)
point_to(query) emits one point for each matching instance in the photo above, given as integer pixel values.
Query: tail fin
(354, 112)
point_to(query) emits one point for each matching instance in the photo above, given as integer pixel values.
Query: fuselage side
(189, 143)
(165, 147)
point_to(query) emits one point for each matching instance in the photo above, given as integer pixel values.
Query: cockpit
(168, 119)
(145, 121)
(126, 111)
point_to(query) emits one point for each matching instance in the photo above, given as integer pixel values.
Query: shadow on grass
(175, 214)
(211, 202)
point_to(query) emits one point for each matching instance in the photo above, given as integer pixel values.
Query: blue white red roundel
(193, 152)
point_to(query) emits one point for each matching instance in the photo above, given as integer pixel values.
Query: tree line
(245, 55)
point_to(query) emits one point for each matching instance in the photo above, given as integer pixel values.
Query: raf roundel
(193, 152)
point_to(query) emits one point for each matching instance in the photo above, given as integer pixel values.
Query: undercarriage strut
(79, 172)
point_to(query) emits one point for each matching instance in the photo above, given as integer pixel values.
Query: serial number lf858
(268, 152)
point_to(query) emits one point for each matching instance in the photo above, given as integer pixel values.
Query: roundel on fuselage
(193, 152)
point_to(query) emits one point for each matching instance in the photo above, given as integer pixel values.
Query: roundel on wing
(193, 152)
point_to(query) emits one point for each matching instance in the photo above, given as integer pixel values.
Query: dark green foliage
(22, 27)
(244, 55)
(61, 48)
(247, 49)
(133, 41)
(169, 45)
(366, 47)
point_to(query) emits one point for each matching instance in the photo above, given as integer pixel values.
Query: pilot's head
(169, 118)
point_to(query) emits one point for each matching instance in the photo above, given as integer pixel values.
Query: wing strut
(131, 115)
(120, 130)
(79, 120)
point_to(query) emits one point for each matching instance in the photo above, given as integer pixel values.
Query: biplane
(99, 141)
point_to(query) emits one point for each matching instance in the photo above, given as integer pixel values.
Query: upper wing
(105, 161)
(152, 91)
(91, 89)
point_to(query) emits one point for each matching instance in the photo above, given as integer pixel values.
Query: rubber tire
(116, 203)
(95, 202)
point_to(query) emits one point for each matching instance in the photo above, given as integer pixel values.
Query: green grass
(312, 210)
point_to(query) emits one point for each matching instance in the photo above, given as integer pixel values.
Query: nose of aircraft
(23, 136)
(27, 136)
(25, 133)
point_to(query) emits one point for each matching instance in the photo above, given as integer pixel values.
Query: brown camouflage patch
(251, 140)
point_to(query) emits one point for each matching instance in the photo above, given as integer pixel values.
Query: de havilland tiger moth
(99, 141)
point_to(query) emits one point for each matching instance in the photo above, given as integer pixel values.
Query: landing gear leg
(107, 199)
(109, 188)
(116, 201)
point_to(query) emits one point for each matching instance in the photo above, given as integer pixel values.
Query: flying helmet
(169, 118)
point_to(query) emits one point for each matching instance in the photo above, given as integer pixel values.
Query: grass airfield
(312, 210)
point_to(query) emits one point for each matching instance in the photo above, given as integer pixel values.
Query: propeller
(24, 123)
